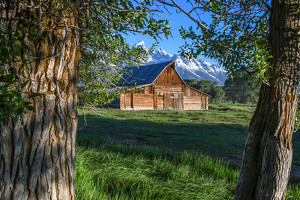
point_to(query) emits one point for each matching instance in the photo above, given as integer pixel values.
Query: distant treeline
(235, 90)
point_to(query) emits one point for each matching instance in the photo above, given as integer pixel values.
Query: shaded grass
(220, 131)
(193, 131)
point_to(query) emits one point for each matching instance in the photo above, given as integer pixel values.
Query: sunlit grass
(129, 172)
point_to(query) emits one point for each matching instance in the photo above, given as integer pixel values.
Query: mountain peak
(161, 51)
(140, 43)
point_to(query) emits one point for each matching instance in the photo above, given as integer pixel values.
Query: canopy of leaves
(103, 26)
(237, 37)
(106, 53)
(238, 90)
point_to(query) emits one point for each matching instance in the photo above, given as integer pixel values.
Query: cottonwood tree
(239, 89)
(37, 153)
(262, 38)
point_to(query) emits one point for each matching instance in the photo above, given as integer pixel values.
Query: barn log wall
(137, 101)
(169, 76)
(194, 99)
(142, 101)
(162, 99)
(125, 102)
(122, 105)
(168, 88)
(192, 103)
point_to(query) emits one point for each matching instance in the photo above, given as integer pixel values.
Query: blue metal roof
(144, 74)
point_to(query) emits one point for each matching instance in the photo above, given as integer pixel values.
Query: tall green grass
(131, 172)
(123, 172)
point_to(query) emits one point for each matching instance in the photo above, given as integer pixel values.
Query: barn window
(174, 95)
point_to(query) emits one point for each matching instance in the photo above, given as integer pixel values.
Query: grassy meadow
(164, 154)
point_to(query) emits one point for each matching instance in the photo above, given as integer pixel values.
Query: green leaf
(9, 43)
(15, 119)
(213, 6)
(5, 115)
(26, 68)
(3, 60)
(26, 103)
(8, 78)
(18, 49)
(35, 95)
(31, 37)
(24, 84)
(19, 111)
(30, 108)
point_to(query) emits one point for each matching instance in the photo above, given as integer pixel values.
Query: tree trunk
(268, 153)
(37, 155)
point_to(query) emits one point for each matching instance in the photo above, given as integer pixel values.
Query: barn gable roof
(147, 74)
(144, 74)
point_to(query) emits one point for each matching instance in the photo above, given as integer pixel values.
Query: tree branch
(123, 10)
(181, 9)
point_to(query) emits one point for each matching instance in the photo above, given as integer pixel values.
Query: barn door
(179, 102)
(176, 101)
(203, 104)
(173, 101)
(166, 100)
(127, 101)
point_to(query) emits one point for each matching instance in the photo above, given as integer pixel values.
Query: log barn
(159, 87)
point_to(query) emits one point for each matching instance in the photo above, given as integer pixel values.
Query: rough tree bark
(268, 153)
(37, 155)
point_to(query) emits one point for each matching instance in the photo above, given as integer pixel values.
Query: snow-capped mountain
(188, 69)
(141, 44)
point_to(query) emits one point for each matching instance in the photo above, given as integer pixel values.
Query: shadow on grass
(215, 140)
(197, 136)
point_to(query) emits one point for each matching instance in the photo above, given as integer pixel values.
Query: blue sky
(171, 45)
